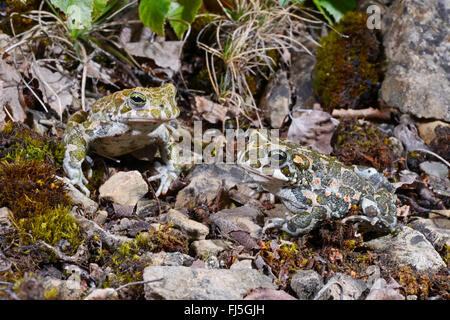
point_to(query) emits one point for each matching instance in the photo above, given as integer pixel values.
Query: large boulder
(416, 41)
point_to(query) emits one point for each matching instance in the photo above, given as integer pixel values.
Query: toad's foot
(78, 179)
(166, 174)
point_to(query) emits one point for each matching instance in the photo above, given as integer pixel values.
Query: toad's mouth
(144, 120)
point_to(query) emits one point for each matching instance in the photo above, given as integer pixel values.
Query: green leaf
(153, 13)
(283, 3)
(336, 8)
(182, 10)
(78, 12)
(99, 6)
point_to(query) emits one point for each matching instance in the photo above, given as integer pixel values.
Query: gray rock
(125, 188)
(436, 230)
(101, 216)
(407, 247)
(194, 230)
(276, 99)
(183, 283)
(169, 259)
(351, 288)
(302, 70)
(239, 219)
(306, 283)
(78, 197)
(206, 248)
(268, 294)
(416, 42)
(206, 179)
(242, 264)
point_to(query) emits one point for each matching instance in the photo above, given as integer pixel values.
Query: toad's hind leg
(300, 223)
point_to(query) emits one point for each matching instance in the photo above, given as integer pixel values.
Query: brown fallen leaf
(314, 128)
(213, 112)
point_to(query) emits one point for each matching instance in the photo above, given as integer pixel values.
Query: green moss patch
(348, 67)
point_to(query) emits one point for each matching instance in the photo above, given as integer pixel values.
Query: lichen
(348, 67)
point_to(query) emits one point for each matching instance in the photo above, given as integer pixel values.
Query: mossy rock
(363, 144)
(18, 143)
(348, 67)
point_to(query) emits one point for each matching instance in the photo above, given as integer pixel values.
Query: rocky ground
(204, 239)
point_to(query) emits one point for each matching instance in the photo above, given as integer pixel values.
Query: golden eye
(137, 100)
(277, 157)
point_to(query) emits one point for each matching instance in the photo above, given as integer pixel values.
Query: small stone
(170, 259)
(426, 129)
(195, 230)
(103, 294)
(205, 248)
(352, 289)
(101, 216)
(407, 247)
(205, 182)
(306, 283)
(125, 188)
(202, 283)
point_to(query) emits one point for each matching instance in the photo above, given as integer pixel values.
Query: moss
(53, 226)
(348, 68)
(30, 188)
(363, 144)
(51, 293)
(21, 143)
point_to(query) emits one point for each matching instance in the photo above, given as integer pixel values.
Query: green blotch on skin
(156, 113)
(125, 109)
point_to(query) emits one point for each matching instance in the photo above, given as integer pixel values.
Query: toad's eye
(137, 100)
(277, 157)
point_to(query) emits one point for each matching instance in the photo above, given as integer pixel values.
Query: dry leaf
(313, 128)
(166, 54)
(58, 90)
(381, 290)
(211, 111)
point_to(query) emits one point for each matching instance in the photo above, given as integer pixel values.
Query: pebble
(125, 188)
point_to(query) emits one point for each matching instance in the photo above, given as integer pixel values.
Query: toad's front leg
(76, 148)
(168, 149)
